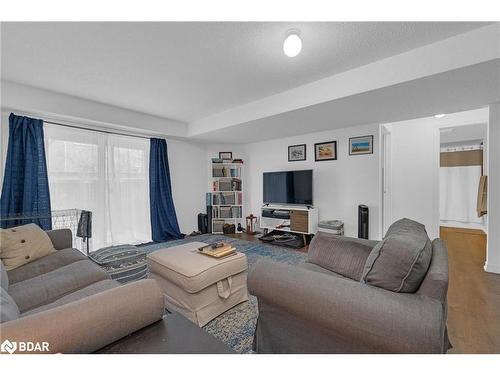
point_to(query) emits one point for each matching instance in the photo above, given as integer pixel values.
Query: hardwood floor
(473, 295)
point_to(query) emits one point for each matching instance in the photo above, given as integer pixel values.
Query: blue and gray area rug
(236, 326)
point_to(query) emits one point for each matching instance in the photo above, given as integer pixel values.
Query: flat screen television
(288, 187)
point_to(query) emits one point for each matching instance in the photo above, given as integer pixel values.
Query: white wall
(415, 165)
(339, 185)
(189, 177)
(493, 251)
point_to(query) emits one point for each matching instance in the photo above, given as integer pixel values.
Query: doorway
(462, 177)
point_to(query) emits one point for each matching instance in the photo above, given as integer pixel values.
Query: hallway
(473, 295)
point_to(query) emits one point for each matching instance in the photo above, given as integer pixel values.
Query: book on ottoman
(217, 250)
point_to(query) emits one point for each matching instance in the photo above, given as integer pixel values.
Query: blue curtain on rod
(25, 191)
(164, 225)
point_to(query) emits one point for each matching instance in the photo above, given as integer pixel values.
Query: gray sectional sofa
(356, 296)
(71, 303)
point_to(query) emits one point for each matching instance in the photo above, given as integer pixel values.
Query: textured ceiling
(186, 71)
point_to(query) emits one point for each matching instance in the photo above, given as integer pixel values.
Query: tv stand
(295, 219)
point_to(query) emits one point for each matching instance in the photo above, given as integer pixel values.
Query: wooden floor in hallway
(473, 295)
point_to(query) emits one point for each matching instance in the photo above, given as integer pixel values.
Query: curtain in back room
(460, 173)
(25, 190)
(103, 173)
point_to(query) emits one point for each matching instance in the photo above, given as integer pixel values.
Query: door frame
(385, 179)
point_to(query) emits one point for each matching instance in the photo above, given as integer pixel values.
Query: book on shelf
(236, 212)
(227, 212)
(220, 170)
(233, 184)
(224, 198)
(227, 161)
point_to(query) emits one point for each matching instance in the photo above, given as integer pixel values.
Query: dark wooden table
(174, 334)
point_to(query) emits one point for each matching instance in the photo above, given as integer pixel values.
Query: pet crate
(79, 221)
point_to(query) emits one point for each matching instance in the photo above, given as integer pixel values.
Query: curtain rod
(95, 130)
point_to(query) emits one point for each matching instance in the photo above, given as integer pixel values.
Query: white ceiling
(453, 91)
(186, 71)
(465, 133)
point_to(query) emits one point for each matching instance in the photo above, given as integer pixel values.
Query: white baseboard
(493, 268)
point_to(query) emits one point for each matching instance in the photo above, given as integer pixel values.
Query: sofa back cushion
(23, 244)
(4, 278)
(341, 255)
(400, 262)
(8, 307)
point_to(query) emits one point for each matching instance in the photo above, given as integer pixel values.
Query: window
(103, 173)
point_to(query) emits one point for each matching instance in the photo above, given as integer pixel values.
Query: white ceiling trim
(463, 50)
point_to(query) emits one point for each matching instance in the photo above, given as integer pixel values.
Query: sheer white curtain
(458, 194)
(103, 173)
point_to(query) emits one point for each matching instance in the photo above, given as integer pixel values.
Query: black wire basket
(79, 221)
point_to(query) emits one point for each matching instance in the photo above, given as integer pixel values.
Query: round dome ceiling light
(292, 44)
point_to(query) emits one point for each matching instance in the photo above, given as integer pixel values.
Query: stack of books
(227, 161)
(217, 250)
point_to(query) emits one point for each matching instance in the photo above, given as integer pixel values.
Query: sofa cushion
(89, 290)
(50, 286)
(46, 264)
(341, 255)
(61, 238)
(316, 268)
(400, 262)
(23, 244)
(8, 307)
(4, 277)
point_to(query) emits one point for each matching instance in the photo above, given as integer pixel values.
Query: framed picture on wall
(325, 151)
(225, 155)
(361, 145)
(297, 152)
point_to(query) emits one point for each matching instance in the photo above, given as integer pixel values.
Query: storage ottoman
(196, 285)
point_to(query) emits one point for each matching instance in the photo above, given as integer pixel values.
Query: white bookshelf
(226, 194)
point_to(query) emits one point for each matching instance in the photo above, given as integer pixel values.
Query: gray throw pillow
(4, 278)
(400, 262)
(8, 307)
(341, 255)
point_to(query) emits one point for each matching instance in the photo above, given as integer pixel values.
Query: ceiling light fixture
(441, 115)
(292, 44)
